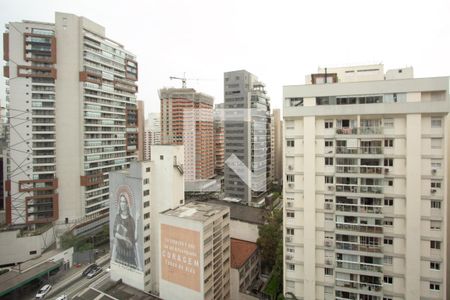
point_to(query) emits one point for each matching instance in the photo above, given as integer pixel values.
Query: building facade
(152, 133)
(187, 119)
(278, 146)
(219, 150)
(245, 269)
(247, 138)
(366, 185)
(195, 252)
(146, 188)
(71, 118)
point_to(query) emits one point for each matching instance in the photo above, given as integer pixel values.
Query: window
(387, 260)
(147, 249)
(388, 241)
(435, 286)
(389, 182)
(435, 265)
(290, 214)
(436, 143)
(388, 162)
(290, 178)
(435, 225)
(328, 161)
(387, 298)
(388, 123)
(161, 157)
(389, 143)
(33, 252)
(295, 101)
(388, 202)
(146, 181)
(290, 143)
(435, 204)
(435, 184)
(388, 221)
(436, 122)
(147, 170)
(328, 124)
(388, 279)
(146, 203)
(290, 231)
(435, 165)
(146, 192)
(328, 143)
(147, 261)
(290, 267)
(147, 215)
(328, 271)
(290, 250)
(435, 244)
(328, 179)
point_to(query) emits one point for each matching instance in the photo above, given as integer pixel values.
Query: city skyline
(280, 48)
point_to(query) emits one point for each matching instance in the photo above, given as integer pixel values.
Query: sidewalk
(25, 266)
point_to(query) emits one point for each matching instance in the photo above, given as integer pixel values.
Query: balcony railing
(359, 189)
(360, 227)
(359, 130)
(359, 266)
(358, 247)
(371, 209)
(359, 150)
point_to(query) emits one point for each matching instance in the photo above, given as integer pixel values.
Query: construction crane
(183, 80)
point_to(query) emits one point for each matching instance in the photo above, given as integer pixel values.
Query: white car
(62, 297)
(43, 291)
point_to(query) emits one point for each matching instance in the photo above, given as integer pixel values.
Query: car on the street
(94, 272)
(108, 269)
(89, 269)
(62, 297)
(43, 291)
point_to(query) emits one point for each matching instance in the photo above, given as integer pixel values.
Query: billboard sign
(180, 256)
(125, 225)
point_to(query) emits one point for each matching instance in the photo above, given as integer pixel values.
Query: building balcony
(359, 130)
(359, 150)
(359, 266)
(359, 189)
(370, 209)
(360, 228)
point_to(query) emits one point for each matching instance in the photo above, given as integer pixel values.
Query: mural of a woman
(124, 250)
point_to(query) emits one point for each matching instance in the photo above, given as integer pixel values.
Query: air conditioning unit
(386, 170)
(289, 257)
(433, 191)
(288, 239)
(328, 206)
(328, 261)
(290, 168)
(331, 188)
(291, 185)
(328, 243)
(433, 171)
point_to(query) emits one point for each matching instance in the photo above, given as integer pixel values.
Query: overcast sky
(279, 41)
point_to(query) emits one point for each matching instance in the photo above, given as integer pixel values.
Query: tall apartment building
(247, 138)
(366, 185)
(278, 146)
(148, 187)
(187, 119)
(195, 252)
(152, 133)
(72, 117)
(140, 129)
(219, 138)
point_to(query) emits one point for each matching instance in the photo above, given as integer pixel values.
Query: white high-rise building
(366, 185)
(152, 133)
(72, 118)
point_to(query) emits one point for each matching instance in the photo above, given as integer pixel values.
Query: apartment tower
(278, 146)
(219, 138)
(152, 133)
(72, 118)
(247, 138)
(366, 185)
(187, 119)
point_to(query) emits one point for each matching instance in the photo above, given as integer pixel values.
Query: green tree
(270, 237)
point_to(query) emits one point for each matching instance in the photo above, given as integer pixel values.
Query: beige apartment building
(72, 118)
(366, 185)
(194, 252)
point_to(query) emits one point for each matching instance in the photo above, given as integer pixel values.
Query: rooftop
(242, 212)
(109, 289)
(241, 251)
(196, 211)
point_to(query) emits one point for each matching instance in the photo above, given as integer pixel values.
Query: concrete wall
(15, 249)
